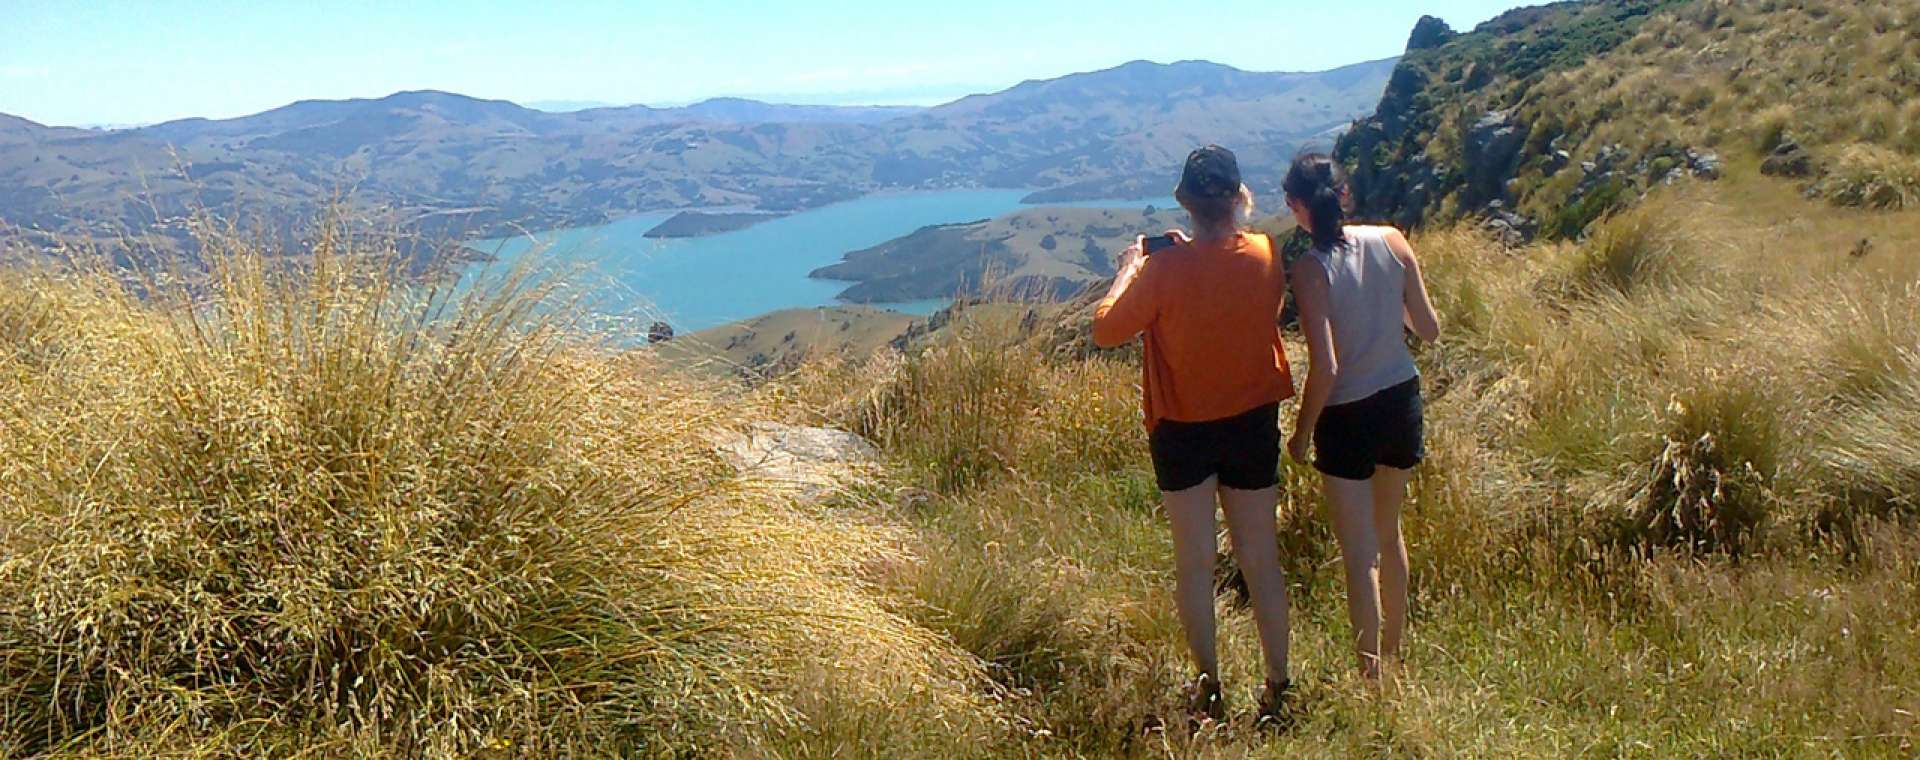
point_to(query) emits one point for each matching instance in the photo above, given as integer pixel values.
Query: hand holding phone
(1151, 245)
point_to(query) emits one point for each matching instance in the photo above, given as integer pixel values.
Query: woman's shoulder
(1379, 231)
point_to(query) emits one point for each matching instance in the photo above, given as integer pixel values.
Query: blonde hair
(1236, 209)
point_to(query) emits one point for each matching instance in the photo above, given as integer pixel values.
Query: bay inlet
(701, 282)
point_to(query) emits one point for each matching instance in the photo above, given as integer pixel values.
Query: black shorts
(1382, 429)
(1244, 450)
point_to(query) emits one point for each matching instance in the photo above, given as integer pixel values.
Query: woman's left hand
(1129, 258)
(1298, 444)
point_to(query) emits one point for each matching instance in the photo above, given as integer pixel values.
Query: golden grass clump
(1870, 176)
(968, 405)
(313, 509)
(1644, 247)
(1874, 451)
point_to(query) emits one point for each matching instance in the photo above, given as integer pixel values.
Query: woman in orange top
(1214, 374)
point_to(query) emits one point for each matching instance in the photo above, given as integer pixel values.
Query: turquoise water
(697, 283)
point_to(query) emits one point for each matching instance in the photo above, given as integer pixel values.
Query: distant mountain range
(740, 111)
(447, 163)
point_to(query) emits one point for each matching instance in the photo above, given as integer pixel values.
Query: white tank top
(1366, 305)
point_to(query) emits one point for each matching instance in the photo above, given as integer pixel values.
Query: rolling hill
(444, 163)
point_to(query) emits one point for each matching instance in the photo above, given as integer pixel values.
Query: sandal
(1278, 708)
(1205, 702)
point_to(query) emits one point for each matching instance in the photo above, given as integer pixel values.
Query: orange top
(1210, 311)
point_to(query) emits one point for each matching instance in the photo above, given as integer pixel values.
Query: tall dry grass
(317, 510)
(1667, 511)
(1642, 447)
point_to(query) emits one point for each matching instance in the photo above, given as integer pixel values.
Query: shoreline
(668, 213)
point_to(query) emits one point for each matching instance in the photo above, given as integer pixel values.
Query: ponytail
(1319, 184)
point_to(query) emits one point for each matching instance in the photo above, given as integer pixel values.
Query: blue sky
(136, 61)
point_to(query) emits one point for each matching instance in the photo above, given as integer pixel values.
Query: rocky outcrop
(1429, 32)
(1453, 136)
(1492, 153)
(804, 463)
(1509, 228)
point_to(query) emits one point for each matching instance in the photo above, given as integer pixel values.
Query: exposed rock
(805, 463)
(1429, 32)
(1492, 153)
(1603, 170)
(659, 332)
(1704, 164)
(1788, 160)
(1511, 229)
(1555, 162)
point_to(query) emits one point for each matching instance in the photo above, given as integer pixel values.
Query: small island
(688, 224)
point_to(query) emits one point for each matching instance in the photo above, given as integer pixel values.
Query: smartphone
(1150, 245)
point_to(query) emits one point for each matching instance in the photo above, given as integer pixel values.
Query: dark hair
(1317, 181)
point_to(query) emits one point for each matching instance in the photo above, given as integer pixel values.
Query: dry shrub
(316, 509)
(1871, 176)
(1711, 484)
(978, 401)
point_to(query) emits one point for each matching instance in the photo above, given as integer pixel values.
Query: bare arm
(1126, 310)
(1420, 315)
(1310, 293)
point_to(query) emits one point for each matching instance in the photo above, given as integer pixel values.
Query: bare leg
(1250, 523)
(1190, 512)
(1351, 502)
(1389, 490)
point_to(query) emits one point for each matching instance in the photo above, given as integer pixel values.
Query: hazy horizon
(125, 63)
(851, 100)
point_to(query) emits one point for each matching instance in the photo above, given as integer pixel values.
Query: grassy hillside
(1672, 506)
(787, 338)
(1670, 511)
(1044, 251)
(1566, 112)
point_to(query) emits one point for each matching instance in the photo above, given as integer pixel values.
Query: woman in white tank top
(1359, 290)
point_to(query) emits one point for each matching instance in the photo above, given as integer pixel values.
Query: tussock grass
(1873, 451)
(1711, 484)
(970, 406)
(313, 509)
(1647, 246)
(1873, 177)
